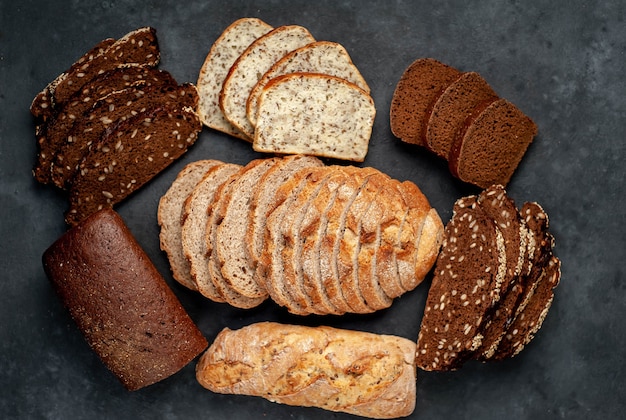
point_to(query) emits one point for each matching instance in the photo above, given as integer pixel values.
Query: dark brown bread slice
(450, 110)
(106, 113)
(193, 227)
(169, 215)
(492, 144)
(128, 157)
(119, 301)
(419, 86)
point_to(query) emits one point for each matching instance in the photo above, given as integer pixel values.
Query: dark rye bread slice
(490, 146)
(107, 112)
(230, 248)
(128, 157)
(193, 227)
(169, 216)
(468, 272)
(450, 110)
(55, 131)
(419, 86)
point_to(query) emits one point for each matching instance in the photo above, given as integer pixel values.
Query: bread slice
(419, 86)
(492, 144)
(193, 226)
(222, 55)
(452, 108)
(230, 248)
(250, 66)
(169, 216)
(294, 117)
(323, 57)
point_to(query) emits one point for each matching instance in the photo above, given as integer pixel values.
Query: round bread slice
(322, 57)
(193, 227)
(223, 54)
(169, 216)
(419, 86)
(452, 108)
(251, 65)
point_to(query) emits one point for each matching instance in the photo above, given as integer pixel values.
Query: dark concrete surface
(561, 62)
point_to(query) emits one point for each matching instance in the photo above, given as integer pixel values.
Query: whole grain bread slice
(169, 217)
(222, 55)
(250, 66)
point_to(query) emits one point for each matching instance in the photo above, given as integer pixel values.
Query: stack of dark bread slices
(492, 285)
(111, 122)
(316, 239)
(459, 117)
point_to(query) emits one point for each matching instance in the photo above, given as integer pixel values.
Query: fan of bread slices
(285, 92)
(314, 238)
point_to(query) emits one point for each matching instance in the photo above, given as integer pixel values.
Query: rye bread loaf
(193, 227)
(355, 372)
(419, 86)
(492, 144)
(223, 54)
(294, 117)
(169, 218)
(323, 57)
(250, 66)
(119, 301)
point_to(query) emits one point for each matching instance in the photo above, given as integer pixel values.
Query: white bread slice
(223, 54)
(250, 67)
(323, 57)
(314, 114)
(169, 214)
(193, 227)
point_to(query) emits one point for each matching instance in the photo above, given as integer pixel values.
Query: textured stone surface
(562, 63)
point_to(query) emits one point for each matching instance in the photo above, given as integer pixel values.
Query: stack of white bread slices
(285, 92)
(316, 239)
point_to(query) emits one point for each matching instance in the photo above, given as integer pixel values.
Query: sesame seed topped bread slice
(169, 215)
(250, 66)
(418, 88)
(294, 117)
(194, 223)
(450, 110)
(223, 54)
(323, 57)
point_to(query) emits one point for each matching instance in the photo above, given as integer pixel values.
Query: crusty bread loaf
(169, 217)
(356, 372)
(317, 57)
(119, 301)
(223, 54)
(314, 114)
(251, 65)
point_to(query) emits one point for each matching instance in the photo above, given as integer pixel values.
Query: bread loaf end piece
(347, 371)
(119, 301)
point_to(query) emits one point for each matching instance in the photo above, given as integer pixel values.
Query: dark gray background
(561, 62)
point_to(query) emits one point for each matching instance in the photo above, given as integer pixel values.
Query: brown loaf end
(119, 301)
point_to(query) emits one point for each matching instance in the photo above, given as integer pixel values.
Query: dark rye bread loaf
(419, 86)
(129, 156)
(119, 301)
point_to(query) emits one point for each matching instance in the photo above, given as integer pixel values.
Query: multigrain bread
(314, 114)
(250, 66)
(119, 301)
(356, 372)
(223, 54)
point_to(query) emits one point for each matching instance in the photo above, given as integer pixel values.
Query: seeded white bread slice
(314, 114)
(264, 200)
(251, 65)
(355, 372)
(223, 54)
(230, 248)
(323, 57)
(194, 221)
(169, 216)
